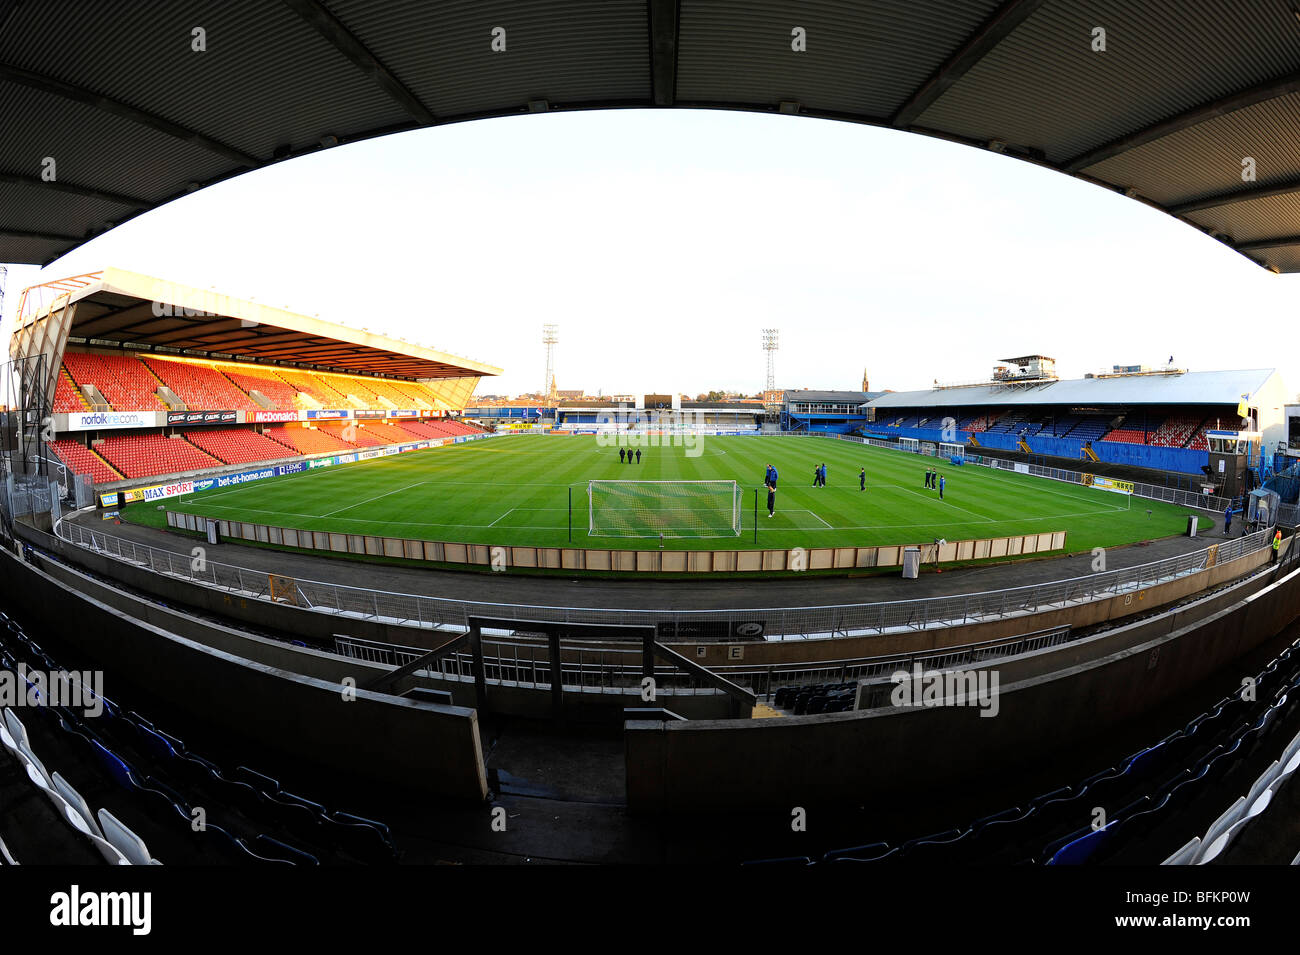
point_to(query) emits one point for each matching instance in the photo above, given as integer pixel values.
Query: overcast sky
(661, 242)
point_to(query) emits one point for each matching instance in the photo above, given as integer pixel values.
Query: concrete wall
(435, 749)
(885, 753)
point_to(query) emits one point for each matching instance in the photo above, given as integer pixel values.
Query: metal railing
(529, 664)
(840, 620)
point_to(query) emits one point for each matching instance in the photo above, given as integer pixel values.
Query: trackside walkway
(682, 594)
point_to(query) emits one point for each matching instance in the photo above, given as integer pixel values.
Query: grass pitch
(516, 490)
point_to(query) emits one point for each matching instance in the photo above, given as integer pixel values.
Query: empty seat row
(250, 796)
(237, 445)
(201, 387)
(118, 844)
(123, 380)
(147, 455)
(82, 460)
(1151, 784)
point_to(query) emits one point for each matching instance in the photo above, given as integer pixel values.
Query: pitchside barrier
(841, 620)
(629, 561)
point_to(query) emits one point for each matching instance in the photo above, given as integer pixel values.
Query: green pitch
(516, 490)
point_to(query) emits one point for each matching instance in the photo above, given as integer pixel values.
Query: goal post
(951, 451)
(910, 444)
(669, 509)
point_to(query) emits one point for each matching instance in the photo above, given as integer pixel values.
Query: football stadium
(321, 586)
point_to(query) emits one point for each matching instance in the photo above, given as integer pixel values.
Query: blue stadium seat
(269, 849)
(1082, 849)
(872, 852)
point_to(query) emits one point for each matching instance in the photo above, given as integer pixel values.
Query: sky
(662, 242)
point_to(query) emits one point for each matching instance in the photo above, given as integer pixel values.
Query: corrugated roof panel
(568, 51)
(22, 249)
(37, 208)
(1044, 87)
(1249, 221)
(1206, 159)
(246, 90)
(1284, 258)
(865, 58)
(270, 80)
(98, 149)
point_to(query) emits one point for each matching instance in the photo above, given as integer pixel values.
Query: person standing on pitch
(620, 455)
(629, 455)
(822, 472)
(771, 491)
(1227, 520)
(941, 487)
(817, 476)
(862, 479)
(638, 455)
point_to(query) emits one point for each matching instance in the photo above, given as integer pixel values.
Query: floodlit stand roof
(1193, 387)
(125, 309)
(109, 110)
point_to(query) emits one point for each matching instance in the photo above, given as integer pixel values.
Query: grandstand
(1153, 421)
(830, 412)
(209, 382)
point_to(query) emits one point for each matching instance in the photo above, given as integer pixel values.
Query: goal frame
(948, 449)
(912, 445)
(736, 511)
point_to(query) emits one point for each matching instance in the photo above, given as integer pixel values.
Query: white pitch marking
(375, 498)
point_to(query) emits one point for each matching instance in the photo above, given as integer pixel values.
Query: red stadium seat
(84, 461)
(238, 445)
(201, 387)
(146, 455)
(306, 440)
(123, 380)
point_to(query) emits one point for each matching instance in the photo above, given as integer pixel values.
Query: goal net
(663, 508)
(910, 444)
(952, 451)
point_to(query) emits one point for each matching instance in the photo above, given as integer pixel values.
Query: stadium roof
(125, 309)
(1192, 107)
(832, 396)
(1193, 387)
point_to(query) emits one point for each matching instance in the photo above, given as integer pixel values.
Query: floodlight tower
(771, 403)
(550, 338)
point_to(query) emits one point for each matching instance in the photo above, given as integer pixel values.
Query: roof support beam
(73, 190)
(46, 236)
(1262, 93)
(48, 84)
(341, 38)
(1276, 243)
(663, 51)
(990, 33)
(1239, 195)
